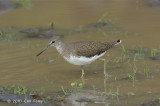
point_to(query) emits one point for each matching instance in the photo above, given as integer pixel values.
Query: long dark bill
(43, 50)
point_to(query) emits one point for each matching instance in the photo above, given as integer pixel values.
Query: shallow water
(133, 21)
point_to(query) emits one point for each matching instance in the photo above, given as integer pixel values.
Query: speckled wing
(91, 48)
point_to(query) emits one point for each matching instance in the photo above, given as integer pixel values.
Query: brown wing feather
(91, 48)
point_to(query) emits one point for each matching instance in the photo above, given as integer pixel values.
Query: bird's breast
(82, 60)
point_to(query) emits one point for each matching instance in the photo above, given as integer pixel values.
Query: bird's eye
(53, 41)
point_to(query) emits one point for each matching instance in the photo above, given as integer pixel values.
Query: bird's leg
(82, 76)
(82, 72)
(105, 85)
(105, 73)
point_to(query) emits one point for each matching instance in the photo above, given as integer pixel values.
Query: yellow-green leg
(82, 76)
(105, 84)
(82, 72)
(105, 73)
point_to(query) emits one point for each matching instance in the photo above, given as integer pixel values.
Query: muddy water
(136, 22)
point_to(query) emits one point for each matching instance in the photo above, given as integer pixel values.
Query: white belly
(82, 60)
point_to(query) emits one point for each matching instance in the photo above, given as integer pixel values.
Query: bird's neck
(61, 47)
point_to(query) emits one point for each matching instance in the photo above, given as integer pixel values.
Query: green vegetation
(114, 94)
(133, 74)
(75, 84)
(123, 49)
(153, 52)
(64, 91)
(146, 72)
(102, 18)
(5, 36)
(20, 90)
(24, 3)
(75, 89)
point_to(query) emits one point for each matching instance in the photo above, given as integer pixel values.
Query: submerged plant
(134, 59)
(146, 72)
(139, 50)
(1, 33)
(102, 18)
(64, 91)
(113, 94)
(102, 94)
(80, 29)
(132, 75)
(153, 52)
(123, 49)
(94, 89)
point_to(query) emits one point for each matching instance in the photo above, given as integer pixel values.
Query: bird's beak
(44, 49)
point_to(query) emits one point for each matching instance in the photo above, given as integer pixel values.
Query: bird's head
(54, 42)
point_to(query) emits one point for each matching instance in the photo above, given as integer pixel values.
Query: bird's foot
(82, 76)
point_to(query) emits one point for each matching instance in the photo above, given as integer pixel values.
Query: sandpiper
(82, 52)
